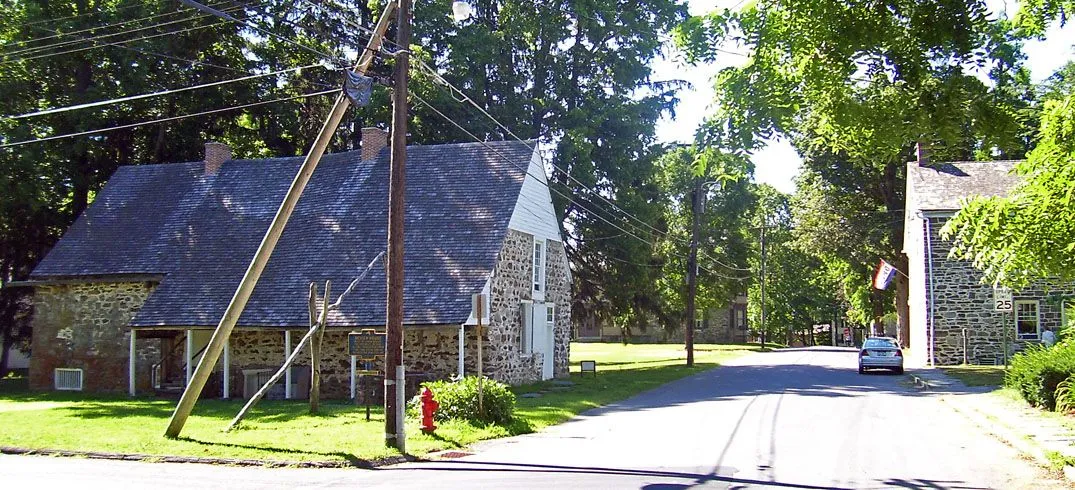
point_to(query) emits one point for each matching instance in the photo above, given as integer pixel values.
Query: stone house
(952, 314)
(130, 295)
(727, 325)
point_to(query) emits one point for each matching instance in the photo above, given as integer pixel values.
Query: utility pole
(692, 269)
(268, 243)
(763, 226)
(393, 359)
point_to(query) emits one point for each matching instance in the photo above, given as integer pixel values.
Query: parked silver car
(881, 352)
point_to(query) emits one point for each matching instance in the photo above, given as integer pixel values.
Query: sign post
(1002, 302)
(366, 346)
(478, 302)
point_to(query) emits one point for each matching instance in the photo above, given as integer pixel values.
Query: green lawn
(977, 375)
(283, 431)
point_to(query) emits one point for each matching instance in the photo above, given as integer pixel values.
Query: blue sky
(778, 164)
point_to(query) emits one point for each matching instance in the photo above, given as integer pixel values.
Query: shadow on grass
(349, 457)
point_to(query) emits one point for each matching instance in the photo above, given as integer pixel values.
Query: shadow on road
(744, 381)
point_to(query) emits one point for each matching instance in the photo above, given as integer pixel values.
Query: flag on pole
(884, 274)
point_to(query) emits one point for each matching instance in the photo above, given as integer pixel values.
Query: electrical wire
(166, 119)
(125, 41)
(156, 94)
(58, 19)
(55, 33)
(37, 49)
(463, 98)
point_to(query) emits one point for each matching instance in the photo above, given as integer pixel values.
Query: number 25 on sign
(1002, 299)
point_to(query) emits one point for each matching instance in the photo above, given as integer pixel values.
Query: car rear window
(880, 343)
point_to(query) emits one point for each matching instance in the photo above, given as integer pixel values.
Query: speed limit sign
(1002, 299)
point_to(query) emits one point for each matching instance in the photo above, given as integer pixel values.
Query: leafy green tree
(854, 85)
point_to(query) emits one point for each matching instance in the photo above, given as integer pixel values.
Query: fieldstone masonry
(85, 326)
(963, 302)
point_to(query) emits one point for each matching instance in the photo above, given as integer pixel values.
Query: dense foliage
(1037, 372)
(459, 400)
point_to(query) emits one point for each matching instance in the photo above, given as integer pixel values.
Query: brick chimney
(373, 141)
(215, 156)
(922, 154)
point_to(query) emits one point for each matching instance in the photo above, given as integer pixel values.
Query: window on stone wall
(1027, 321)
(539, 266)
(740, 318)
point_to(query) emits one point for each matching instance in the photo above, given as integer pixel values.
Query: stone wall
(963, 302)
(511, 285)
(85, 326)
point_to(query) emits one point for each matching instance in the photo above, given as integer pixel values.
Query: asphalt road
(794, 419)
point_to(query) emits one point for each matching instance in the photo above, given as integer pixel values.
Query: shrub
(459, 400)
(1065, 395)
(1037, 372)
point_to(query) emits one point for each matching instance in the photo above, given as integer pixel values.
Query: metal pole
(692, 271)
(287, 374)
(268, 243)
(131, 368)
(396, 192)
(763, 285)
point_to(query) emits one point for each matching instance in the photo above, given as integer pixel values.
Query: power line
(166, 119)
(464, 98)
(36, 49)
(125, 41)
(55, 33)
(58, 19)
(156, 94)
(499, 154)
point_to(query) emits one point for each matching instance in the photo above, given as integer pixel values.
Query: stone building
(131, 294)
(952, 313)
(727, 325)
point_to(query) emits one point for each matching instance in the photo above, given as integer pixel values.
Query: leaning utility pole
(268, 243)
(393, 360)
(692, 269)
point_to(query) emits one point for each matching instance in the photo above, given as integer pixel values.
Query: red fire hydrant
(429, 407)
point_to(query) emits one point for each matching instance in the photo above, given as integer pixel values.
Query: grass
(283, 431)
(977, 375)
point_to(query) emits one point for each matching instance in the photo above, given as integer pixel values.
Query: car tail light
(899, 353)
(863, 353)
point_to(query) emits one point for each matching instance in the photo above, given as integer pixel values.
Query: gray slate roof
(201, 231)
(943, 186)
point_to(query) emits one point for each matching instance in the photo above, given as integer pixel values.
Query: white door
(542, 338)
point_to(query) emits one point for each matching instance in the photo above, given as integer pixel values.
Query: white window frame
(1037, 320)
(68, 374)
(526, 328)
(538, 282)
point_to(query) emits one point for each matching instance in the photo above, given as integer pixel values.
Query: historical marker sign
(1002, 299)
(366, 345)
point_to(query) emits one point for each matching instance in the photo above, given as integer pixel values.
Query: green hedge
(459, 400)
(1036, 372)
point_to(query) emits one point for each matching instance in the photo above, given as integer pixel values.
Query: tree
(1030, 234)
(854, 85)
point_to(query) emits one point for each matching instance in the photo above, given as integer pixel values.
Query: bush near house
(1037, 372)
(459, 400)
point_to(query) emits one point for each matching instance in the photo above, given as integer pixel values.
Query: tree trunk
(315, 347)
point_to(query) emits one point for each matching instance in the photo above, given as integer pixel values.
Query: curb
(149, 458)
(1007, 435)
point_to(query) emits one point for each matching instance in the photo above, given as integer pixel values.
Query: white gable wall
(533, 212)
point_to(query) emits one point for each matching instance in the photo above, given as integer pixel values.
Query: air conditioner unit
(68, 379)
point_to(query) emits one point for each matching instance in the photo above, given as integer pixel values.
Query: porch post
(190, 354)
(133, 361)
(227, 369)
(354, 362)
(287, 373)
(462, 348)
